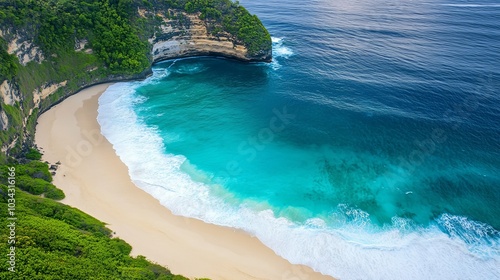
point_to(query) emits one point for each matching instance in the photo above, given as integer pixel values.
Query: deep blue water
(368, 149)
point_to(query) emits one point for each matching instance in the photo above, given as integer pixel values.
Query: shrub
(33, 154)
(54, 193)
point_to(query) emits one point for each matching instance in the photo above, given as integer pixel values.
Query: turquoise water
(368, 149)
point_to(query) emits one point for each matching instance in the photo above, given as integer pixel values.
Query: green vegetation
(14, 117)
(117, 43)
(35, 178)
(105, 23)
(33, 154)
(55, 241)
(8, 62)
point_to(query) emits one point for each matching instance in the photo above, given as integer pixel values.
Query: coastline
(97, 182)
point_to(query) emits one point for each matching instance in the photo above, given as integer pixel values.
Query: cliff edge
(191, 37)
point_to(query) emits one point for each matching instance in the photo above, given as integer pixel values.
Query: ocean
(368, 149)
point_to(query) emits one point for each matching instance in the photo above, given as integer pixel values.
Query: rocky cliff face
(9, 93)
(21, 44)
(184, 35)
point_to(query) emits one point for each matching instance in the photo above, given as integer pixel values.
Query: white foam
(158, 75)
(475, 234)
(350, 249)
(279, 51)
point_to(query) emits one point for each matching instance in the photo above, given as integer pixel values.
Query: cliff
(192, 38)
(48, 52)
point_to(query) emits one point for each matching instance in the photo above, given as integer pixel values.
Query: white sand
(97, 182)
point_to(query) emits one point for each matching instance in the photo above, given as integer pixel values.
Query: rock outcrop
(22, 45)
(4, 121)
(44, 91)
(190, 37)
(9, 93)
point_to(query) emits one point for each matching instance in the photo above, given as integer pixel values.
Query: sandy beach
(97, 182)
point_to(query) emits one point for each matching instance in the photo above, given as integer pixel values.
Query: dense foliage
(116, 42)
(33, 154)
(105, 23)
(35, 178)
(8, 65)
(55, 241)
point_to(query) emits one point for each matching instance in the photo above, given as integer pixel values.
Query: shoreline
(109, 80)
(97, 182)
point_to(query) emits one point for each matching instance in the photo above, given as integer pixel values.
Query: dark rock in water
(53, 167)
(53, 173)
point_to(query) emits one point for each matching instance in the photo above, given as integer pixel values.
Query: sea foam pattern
(280, 51)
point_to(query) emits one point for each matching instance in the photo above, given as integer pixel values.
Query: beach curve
(97, 182)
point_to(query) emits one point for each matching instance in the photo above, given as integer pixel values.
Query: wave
(158, 75)
(279, 51)
(183, 69)
(480, 238)
(345, 244)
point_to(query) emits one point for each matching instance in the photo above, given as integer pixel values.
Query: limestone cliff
(190, 37)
